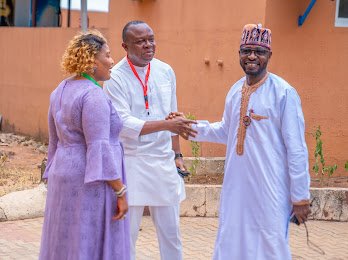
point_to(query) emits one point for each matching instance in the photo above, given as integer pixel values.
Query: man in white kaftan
(143, 91)
(266, 169)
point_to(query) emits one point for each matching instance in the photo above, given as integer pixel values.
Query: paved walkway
(21, 239)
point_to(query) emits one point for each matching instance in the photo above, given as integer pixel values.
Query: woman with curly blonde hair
(86, 206)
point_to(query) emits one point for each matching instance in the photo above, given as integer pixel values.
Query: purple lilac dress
(84, 151)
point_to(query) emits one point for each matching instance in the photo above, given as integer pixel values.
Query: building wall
(29, 72)
(187, 33)
(312, 58)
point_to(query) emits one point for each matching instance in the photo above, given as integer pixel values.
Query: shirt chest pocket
(260, 124)
(165, 97)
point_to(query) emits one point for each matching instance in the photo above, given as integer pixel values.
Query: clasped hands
(180, 125)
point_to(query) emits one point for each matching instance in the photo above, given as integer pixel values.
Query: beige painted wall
(29, 71)
(313, 58)
(187, 32)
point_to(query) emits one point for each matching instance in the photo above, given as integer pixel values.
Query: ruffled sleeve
(104, 158)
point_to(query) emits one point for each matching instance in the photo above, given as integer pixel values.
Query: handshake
(177, 123)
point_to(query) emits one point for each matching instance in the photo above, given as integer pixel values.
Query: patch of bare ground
(20, 162)
(21, 159)
(338, 182)
(208, 179)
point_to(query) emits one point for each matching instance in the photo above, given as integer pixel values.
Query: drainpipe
(33, 13)
(69, 13)
(84, 15)
(302, 18)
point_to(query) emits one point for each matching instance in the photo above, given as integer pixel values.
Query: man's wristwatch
(178, 155)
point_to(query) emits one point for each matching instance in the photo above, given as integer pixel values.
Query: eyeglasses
(257, 51)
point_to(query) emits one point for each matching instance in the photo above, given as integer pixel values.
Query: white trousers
(167, 222)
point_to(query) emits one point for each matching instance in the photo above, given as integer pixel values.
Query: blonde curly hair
(79, 56)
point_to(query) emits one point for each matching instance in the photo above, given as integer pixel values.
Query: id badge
(149, 137)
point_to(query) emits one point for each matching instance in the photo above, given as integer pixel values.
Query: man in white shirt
(266, 170)
(143, 91)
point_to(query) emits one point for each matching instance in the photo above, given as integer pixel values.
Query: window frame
(339, 21)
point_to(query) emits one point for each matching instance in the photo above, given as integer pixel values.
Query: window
(97, 12)
(99, 5)
(30, 13)
(341, 13)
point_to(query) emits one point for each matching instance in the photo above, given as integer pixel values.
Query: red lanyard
(141, 82)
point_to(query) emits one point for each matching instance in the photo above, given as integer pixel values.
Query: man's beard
(254, 73)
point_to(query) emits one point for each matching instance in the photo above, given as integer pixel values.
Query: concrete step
(207, 165)
(201, 201)
(328, 203)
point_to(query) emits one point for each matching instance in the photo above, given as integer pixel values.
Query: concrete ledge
(205, 206)
(328, 203)
(202, 201)
(23, 204)
(207, 165)
(195, 203)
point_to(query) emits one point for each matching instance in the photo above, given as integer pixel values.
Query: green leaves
(319, 165)
(195, 150)
(316, 168)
